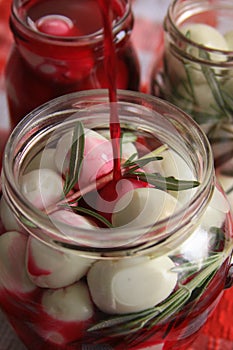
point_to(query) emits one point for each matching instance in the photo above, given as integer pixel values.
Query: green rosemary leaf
(119, 320)
(194, 267)
(188, 34)
(213, 83)
(190, 291)
(76, 158)
(93, 214)
(173, 304)
(147, 158)
(138, 163)
(130, 160)
(169, 183)
(190, 83)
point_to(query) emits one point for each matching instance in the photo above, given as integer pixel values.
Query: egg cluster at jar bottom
(66, 299)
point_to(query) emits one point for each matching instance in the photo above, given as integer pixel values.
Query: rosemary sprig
(130, 167)
(93, 214)
(131, 323)
(130, 160)
(76, 158)
(139, 163)
(212, 81)
(169, 183)
(147, 158)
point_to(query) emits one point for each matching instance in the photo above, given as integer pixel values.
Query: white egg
(72, 303)
(131, 285)
(7, 217)
(229, 39)
(209, 37)
(202, 34)
(42, 187)
(128, 149)
(143, 207)
(173, 164)
(216, 211)
(43, 160)
(51, 268)
(13, 274)
(62, 152)
(205, 35)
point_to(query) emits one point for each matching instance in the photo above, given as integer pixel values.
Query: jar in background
(59, 49)
(196, 73)
(69, 284)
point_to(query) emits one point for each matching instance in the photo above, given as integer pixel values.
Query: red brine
(59, 49)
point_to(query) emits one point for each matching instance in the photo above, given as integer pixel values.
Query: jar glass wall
(59, 49)
(196, 72)
(67, 280)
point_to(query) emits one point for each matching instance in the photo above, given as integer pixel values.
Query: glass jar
(196, 73)
(69, 284)
(58, 49)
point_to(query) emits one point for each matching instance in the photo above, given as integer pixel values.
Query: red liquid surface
(40, 69)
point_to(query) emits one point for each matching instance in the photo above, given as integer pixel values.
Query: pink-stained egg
(98, 156)
(8, 219)
(56, 25)
(49, 267)
(65, 314)
(18, 294)
(112, 192)
(13, 274)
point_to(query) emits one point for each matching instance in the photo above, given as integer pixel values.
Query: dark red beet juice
(59, 49)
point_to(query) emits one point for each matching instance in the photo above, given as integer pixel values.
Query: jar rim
(72, 40)
(117, 238)
(178, 12)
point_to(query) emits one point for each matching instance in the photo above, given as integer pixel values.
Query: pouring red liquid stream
(110, 67)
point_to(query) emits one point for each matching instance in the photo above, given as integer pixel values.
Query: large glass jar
(67, 280)
(196, 73)
(59, 49)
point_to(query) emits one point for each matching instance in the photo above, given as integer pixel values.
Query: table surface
(217, 334)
